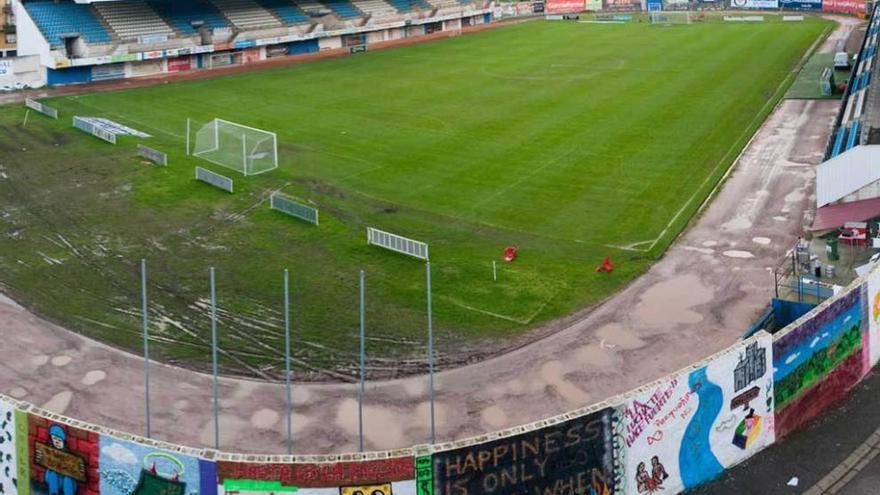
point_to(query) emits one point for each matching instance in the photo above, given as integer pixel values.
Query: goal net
(670, 17)
(239, 147)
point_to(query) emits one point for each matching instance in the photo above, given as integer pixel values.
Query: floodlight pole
(430, 352)
(144, 307)
(214, 360)
(362, 353)
(287, 363)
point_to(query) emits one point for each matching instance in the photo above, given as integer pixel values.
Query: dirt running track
(695, 301)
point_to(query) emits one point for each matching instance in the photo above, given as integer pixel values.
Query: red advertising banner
(563, 6)
(180, 63)
(331, 474)
(847, 6)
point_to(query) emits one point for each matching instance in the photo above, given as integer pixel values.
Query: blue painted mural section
(828, 332)
(126, 466)
(696, 459)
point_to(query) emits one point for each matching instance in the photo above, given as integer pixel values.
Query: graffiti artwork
(690, 426)
(573, 456)
(873, 300)
(383, 489)
(8, 454)
(133, 469)
(317, 475)
(818, 362)
(64, 459)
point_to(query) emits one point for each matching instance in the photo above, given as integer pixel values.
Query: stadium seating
(343, 8)
(443, 4)
(55, 19)
(181, 14)
(131, 20)
(286, 11)
(246, 14)
(408, 5)
(377, 8)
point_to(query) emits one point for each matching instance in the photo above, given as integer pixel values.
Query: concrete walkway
(697, 300)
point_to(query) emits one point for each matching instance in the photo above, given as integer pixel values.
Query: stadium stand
(343, 8)
(55, 19)
(849, 123)
(408, 5)
(445, 4)
(246, 14)
(377, 8)
(286, 11)
(181, 15)
(131, 20)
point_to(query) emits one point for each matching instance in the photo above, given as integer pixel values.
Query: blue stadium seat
(55, 19)
(853, 135)
(343, 8)
(181, 14)
(285, 10)
(838, 142)
(407, 5)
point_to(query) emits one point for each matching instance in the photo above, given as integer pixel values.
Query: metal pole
(287, 363)
(214, 360)
(431, 351)
(144, 307)
(361, 389)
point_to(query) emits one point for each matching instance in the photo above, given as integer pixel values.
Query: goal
(670, 17)
(244, 149)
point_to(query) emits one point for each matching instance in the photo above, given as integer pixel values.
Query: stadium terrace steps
(377, 8)
(408, 5)
(445, 4)
(246, 14)
(55, 19)
(343, 8)
(181, 15)
(288, 12)
(131, 20)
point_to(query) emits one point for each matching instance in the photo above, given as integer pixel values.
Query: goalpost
(670, 17)
(245, 149)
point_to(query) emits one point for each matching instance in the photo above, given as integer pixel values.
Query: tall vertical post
(362, 353)
(494, 272)
(431, 352)
(287, 363)
(214, 361)
(187, 135)
(146, 321)
(244, 153)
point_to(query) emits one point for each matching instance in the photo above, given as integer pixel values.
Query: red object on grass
(510, 253)
(607, 266)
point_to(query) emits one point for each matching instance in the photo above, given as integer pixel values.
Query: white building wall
(30, 39)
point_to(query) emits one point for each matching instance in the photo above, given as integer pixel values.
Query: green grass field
(572, 141)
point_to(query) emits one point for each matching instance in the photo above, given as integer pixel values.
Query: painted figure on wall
(653, 481)
(59, 481)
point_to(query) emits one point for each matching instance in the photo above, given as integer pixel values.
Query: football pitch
(571, 141)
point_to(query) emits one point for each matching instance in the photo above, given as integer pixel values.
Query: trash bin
(831, 249)
(829, 271)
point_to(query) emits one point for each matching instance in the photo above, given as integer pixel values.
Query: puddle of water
(669, 302)
(735, 253)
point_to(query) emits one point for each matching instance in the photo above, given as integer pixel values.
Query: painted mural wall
(662, 438)
(573, 456)
(818, 360)
(690, 426)
(8, 453)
